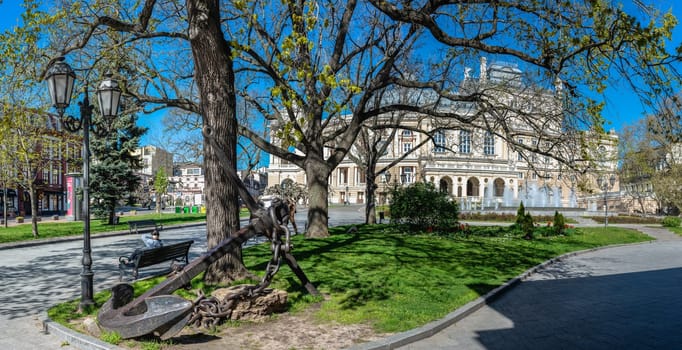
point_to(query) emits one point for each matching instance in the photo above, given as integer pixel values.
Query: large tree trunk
(111, 213)
(4, 204)
(370, 182)
(317, 173)
(215, 79)
(34, 212)
(370, 212)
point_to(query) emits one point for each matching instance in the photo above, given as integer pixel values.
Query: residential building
(60, 154)
(154, 158)
(255, 180)
(187, 184)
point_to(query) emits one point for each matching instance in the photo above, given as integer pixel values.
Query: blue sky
(622, 107)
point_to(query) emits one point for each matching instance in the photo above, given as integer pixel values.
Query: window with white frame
(464, 141)
(362, 175)
(520, 153)
(489, 143)
(343, 176)
(407, 147)
(439, 142)
(56, 176)
(407, 175)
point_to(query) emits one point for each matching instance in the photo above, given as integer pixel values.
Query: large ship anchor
(160, 313)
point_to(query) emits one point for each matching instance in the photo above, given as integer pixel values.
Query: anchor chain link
(209, 311)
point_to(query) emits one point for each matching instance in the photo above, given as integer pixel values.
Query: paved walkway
(627, 297)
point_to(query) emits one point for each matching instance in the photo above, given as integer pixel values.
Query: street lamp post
(606, 185)
(60, 79)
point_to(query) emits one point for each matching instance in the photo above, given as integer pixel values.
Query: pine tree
(112, 174)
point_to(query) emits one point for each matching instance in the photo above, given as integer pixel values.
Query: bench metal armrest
(124, 260)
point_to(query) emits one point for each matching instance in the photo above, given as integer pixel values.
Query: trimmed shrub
(527, 226)
(424, 208)
(520, 214)
(559, 223)
(671, 221)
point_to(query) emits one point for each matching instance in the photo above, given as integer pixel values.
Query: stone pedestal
(255, 308)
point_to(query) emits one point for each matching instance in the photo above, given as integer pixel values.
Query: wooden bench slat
(149, 257)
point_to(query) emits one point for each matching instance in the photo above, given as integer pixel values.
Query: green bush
(671, 221)
(524, 222)
(423, 208)
(527, 226)
(624, 219)
(520, 214)
(559, 224)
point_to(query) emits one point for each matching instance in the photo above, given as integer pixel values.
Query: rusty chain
(209, 311)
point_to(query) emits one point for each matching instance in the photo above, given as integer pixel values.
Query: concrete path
(627, 297)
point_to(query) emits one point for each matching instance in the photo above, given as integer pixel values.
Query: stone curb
(76, 339)
(430, 329)
(42, 241)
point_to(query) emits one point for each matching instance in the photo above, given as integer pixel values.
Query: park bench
(177, 252)
(138, 226)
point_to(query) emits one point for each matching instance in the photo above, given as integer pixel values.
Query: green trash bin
(185, 210)
(195, 210)
(178, 210)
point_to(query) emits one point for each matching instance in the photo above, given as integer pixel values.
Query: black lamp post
(605, 186)
(60, 80)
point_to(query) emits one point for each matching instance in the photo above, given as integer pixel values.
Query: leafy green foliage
(559, 223)
(625, 219)
(423, 208)
(671, 221)
(160, 186)
(520, 214)
(524, 222)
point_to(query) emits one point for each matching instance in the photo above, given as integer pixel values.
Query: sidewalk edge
(76, 339)
(42, 241)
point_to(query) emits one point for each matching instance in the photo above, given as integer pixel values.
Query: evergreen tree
(112, 174)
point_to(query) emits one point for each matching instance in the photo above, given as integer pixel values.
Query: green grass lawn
(48, 229)
(677, 230)
(396, 281)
